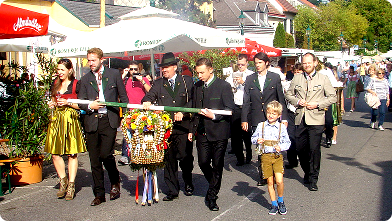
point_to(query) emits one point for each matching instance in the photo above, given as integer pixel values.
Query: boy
(272, 138)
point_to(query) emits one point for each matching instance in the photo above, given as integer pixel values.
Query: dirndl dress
(352, 87)
(65, 134)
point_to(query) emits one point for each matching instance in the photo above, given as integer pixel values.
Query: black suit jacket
(113, 90)
(218, 96)
(163, 95)
(255, 101)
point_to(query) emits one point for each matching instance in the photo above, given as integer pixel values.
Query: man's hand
(146, 105)
(260, 140)
(190, 136)
(312, 105)
(245, 126)
(277, 148)
(239, 80)
(95, 105)
(207, 113)
(302, 103)
(178, 116)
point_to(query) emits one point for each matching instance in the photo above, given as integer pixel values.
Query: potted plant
(25, 123)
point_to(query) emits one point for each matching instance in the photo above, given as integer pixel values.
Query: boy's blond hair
(275, 106)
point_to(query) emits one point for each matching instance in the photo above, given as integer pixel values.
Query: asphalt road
(355, 184)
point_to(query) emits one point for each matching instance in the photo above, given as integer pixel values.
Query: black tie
(171, 82)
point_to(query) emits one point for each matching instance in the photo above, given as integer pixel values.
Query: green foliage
(327, 23)
(289, 41)
(188, 10)
(219, 60)
(280, 37)
(26, 119)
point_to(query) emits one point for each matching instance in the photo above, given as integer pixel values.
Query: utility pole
(102, 18)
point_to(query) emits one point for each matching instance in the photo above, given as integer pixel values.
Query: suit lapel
(256, 81)
(168, 88)
(267, 80)
(105, 80)
(93, 82)
(177, 85)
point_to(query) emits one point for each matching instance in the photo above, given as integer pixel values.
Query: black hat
(168, 59)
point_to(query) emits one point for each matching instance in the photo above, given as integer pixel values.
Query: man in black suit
(174, 90)
(261, 88)
(101, 122)
(212, 130)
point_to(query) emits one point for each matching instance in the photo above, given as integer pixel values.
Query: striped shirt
(271, 132)
(381, 87)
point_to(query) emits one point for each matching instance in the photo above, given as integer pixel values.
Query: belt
(101, 115)
(270, 143)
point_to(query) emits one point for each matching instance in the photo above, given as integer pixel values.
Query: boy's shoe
(334, 142)
(273, 210)
(381, 128)
(282, 208)
(373, 125)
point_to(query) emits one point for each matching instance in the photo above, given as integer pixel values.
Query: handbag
(359, 86)
(372, 100)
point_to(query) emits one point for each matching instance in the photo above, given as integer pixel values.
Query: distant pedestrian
(352, 78)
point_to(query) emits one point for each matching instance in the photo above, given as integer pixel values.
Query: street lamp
(241, 18)
(341, 41)
(376, 45)
(364, 44)
(308, 34)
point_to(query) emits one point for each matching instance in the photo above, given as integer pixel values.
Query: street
(354, 184)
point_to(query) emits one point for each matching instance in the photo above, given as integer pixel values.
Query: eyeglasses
(133, 69)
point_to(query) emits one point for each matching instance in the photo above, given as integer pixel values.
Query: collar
(173, 78)
(272, 125)
(311, 75)
(209, 82)
(100, 70)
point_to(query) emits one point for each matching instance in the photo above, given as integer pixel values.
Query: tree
(189, 10)
(280, 36)
(289, 41)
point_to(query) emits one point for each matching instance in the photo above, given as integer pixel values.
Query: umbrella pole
(152, 68)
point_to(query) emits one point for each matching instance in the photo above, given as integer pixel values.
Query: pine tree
(280, 37)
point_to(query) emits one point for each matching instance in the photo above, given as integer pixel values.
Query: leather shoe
(169, 198)
(98, 200)
(313, 187)
(263, 182)
(115, 191)
(213, 206)
(189, 190)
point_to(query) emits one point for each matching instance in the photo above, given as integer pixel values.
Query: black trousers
(292, 151)
(180, 149)
(308, 139)
(239, 136)
(100, 146)
(211, 161)
(329, 124)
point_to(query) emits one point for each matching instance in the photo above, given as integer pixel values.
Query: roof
(89, 13)
(272, 10)
(287, 7)
(305, 2)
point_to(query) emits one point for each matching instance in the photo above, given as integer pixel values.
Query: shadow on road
(243, 189)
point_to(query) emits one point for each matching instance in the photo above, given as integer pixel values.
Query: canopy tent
(19, 23)
(252, 48)
(147, 35)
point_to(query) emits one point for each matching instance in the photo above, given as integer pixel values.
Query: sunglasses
(133, 69)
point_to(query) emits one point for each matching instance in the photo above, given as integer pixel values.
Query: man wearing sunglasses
(136, 86)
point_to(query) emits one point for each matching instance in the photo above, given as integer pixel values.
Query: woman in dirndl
(65, 135)
(352, 77)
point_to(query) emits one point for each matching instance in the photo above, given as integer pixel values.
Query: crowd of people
(274, 112)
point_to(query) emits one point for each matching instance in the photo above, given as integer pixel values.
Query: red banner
(19, 23)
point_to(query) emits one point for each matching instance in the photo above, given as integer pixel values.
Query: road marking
(23, 197)
(237, 206)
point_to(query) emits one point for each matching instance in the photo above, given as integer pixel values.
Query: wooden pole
(102, 23)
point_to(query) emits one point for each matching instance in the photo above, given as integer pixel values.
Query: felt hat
(168, 59)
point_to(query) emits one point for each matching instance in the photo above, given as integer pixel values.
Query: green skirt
(351, 90)
(65, 133)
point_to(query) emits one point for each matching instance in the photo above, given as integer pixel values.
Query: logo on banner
(139, 43)
(234, 41)
(28, 23)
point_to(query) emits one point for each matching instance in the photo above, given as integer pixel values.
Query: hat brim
(169, 62)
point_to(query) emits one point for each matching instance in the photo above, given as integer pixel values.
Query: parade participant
(64, 135)
(352, 77)
(238, 136)
(292, 151)
(101, 122)
(272, 138)
(212, 131)
(174, 90)
(311, 93)
(136, 86)
(261, 88)
(379, 87)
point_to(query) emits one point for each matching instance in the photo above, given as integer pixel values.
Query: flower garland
(147, 133)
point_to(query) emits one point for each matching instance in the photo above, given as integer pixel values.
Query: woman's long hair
(57, 82)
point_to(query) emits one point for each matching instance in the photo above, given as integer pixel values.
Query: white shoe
(333, 142)
(380, 128)
(373, 125)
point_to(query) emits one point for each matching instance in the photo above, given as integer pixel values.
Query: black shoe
(238, 164)
(290, 166)
(189, 190)
(213, 206)
(115, 191)
(329, 143)
(313, 187)
(98, 200)
(263, 182)
(169, 198)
